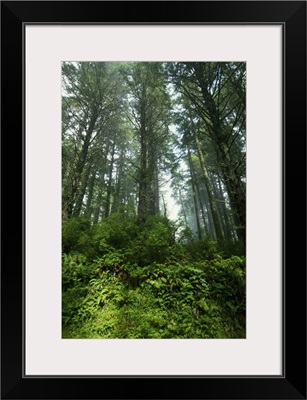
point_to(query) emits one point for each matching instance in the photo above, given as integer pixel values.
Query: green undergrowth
(120, 281)
(200, 300)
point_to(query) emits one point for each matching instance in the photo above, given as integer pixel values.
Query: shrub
(115, 232)
(154, 241)
(204, 249)
(77, 237)
(76, 271)
(76, 275)
(227, 280)
(230, 248)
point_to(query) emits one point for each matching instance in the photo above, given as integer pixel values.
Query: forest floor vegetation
(123, 280)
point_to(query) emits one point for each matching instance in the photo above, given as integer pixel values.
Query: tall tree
(90, 102)
(216, 90)
(149, 114)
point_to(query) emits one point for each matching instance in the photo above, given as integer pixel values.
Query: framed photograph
(163, 153)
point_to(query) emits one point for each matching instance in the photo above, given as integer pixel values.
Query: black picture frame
(292, 16)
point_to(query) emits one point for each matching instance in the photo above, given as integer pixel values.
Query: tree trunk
(213, 206)
(98, 203)
(201, 206)
(235, 191)
(157, 195)
(109, 187)
(209, 214)
(80, 166)
(219, 200)
(143, 172)
(225, 213)
(199, 233)
(89, 209)
(118, 184)
(97, 209)
(183, 209)
(79, 201)
(164, 207)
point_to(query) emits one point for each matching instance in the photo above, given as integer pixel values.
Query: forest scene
(153, 200)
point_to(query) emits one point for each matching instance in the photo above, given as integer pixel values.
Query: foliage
(115, 232)
(77, 237)
(231, 247)
(135, 135)
(202, 249)
(154, 241)
(172, 291)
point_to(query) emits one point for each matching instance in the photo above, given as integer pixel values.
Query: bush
(204, 249)
(227, 280)
(230, 248)
(76, 275)
(77, 237)
(154, 241)
(76, 271)
(115, 232)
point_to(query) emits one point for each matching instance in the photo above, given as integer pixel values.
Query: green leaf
(203, 304)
